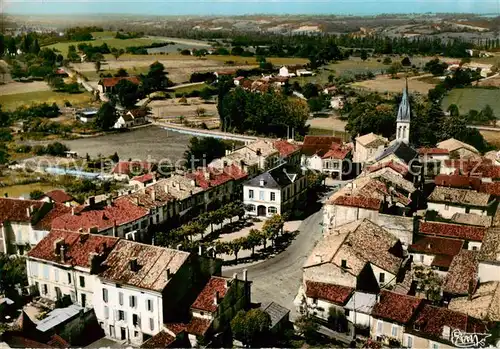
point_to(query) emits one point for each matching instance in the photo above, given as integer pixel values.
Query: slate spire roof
(404, 112)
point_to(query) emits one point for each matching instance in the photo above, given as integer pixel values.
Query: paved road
(278, 279)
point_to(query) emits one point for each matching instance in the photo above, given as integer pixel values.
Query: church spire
(404, 117)
(404, 113)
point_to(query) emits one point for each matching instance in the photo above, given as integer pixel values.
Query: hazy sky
(239, 7)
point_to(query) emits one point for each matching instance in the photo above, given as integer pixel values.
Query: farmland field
(12, 101)
(111, 41)
(473, 98)
(385, 84)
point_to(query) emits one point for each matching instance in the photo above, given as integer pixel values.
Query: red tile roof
(458, 181)
(463, 271)
(58, 342)
(121, 211)
(431, 320)
(175, 327)
(132, 167)
(358, 201)
(433, 151)
(59, 196)
(436, 246)
(198, 326)
(396, 307)
(463, 232)
(235, 171)
(77, 247)
(285, 148)
(110, 82)
(337, 152)
(483, 168)
(159, 340)
(16, 210)
(57, 210)
(318, 144)
(148, 177)
(396, 166)
(490, 188)
(209, 177)
(206, 299)
(442, 261)
(329, 292)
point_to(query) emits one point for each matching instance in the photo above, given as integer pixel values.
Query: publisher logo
(468, 340)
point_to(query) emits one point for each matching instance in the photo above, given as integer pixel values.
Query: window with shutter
(151, 324)
(149, 304)
(105, 295)
(120, 298)
(106, 312)
(132, 301)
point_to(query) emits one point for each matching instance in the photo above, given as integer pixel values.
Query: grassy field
(111, 41)
(93, 75)
(12, 101)
(473, 98)
(189, 89)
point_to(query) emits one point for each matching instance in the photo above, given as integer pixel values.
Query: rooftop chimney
(28, 213)
(165, 188)
(134, 266)
(84, 237)
(57, 245)
(167, 274)
(200, 250)
(115, 233)
(72, 211)
(206, 174)
(216, 298)
(93, 262)
(153, 195)
(245, 274)
(193, 183)
(235, 276)
(62, 254)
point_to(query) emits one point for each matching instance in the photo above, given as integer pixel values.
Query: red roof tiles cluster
(432, 151)
(490, 188)
(132, 167)
(77, 247)
(196, 326)
(329, 292)
(148, 177)
(463, 232)
(159, 340)
(318, 144)
(285, 148)
(212, 177)
(396, 307)
(396, 166)
(57, 210)
(59, 196)
(121, 211)
(431, 320)
(111, 82)
(336, 151)
(436, 246)
(205, 301)
(16, 210)
(458, 181)
(358, 201)
(462, 272)
(483, 168)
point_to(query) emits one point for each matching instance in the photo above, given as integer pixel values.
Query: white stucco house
(274, 192)
(369, 146)
(131, 291)
(65, 264)
(449, 201)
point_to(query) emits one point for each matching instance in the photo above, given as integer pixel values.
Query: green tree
(251, 327)
(310, 90)
(201, 151)
(405, 62)
(387, 60)
(117, 53)
(121, 73)
(156, 78)
(453, 110)
(126, 93)
(72, 54)
(364, 55)
(36, 194)
(97, 65)
(237, 245)
(2, 45)
(394, 69)
(106, 116)
(253, 239)
(307, 327)
(4, 153)
(13, 274)
(115, 158)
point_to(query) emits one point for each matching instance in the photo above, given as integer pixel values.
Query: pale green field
(473, 98)
(13, 101)
(111, 41)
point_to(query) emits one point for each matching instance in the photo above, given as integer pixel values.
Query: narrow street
(278, 279)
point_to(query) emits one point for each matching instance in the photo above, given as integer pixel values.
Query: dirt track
(13, 88)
